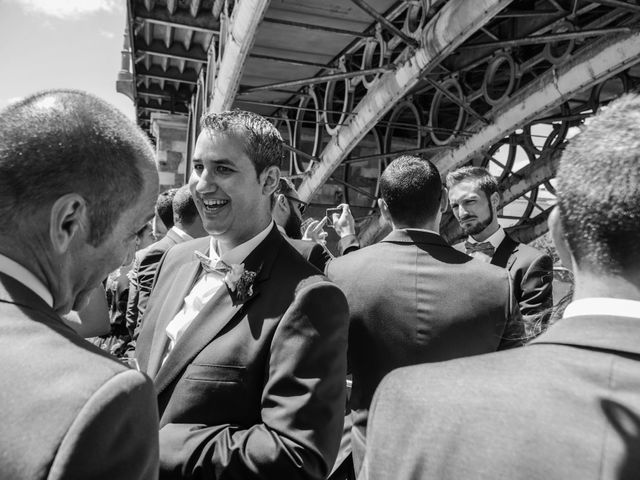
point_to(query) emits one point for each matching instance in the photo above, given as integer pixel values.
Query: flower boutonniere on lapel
(240, 282)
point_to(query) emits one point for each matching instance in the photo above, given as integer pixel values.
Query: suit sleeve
(131, 317)
(537, 294)
(302, 406)
(514, 334)
(145, 277)
(319, 257)
(348, 244)
(115, 434)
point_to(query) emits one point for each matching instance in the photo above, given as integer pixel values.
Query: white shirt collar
(282, 231)
(18, 272)
(602, 306)
(237, 254)
(419, 230)
(181, 233)
(495, 239)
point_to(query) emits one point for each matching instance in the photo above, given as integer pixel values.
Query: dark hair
(599, 189)
(262, 141)
(184, 208)
(61, 141)
(412, 189)
(164, 207)
(486, 182)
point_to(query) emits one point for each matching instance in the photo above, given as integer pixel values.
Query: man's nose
(207, 182)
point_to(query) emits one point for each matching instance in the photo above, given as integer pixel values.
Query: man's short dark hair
(164, 207)
(599, 190)
(63, 141)
(412, 189)
(184, 208)
(262, 141)
(486, 182)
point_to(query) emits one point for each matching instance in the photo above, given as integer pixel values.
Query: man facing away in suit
(187, 225)
(474, 197)
(566, 406)
(77, 184)
(245, 340)
(412, 297)
(287, 212)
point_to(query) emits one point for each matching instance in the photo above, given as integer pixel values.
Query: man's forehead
(466, 188)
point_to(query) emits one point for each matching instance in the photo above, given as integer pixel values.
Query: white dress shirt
(206, 287)
(181, 233)
(18, 272)
(495, 240)
(603, 306)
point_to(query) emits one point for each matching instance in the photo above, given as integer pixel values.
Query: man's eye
(222, 169)
(198, 167)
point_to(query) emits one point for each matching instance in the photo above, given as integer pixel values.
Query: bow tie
(483, 247)
(207, 264)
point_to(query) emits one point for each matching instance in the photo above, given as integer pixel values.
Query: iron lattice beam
(593, 64)
(177, 51)
(189, 76)
(246, 17)
(448, 29)
(205, 22)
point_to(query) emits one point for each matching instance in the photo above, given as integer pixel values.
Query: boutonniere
(240, 282)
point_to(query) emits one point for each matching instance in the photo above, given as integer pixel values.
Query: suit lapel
(502, 256)
(180, 287)
(217, 313)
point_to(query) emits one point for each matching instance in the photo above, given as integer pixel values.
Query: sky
(75, 44)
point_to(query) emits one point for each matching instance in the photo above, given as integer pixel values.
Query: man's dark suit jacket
(531, 272)
(67, 409)
(253, 390)
(415, 299)
(312, 252)
(144, 271)
(566, 406)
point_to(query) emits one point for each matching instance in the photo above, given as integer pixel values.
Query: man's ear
(384, 211)
(68, 219)
(269, 179)
(282, 203)
(495, 200)
(444, 200)
(559, 238)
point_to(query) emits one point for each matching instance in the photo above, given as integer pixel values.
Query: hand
(344, 224)
(315, 231)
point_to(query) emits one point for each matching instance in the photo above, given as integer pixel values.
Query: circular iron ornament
(416, 17)
(308, 113)
(365, 175)
(499, 79)
(338, 101)
(446, 118)
(405, 123)
(538, 136)
(500, 158)
(559, 52)
(373, 57)
(609, 90)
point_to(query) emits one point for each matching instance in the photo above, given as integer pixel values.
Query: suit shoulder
(188, 247)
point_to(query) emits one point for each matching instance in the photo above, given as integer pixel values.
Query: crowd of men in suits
(244, 346)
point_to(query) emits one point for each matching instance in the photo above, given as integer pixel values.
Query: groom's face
(226, 189)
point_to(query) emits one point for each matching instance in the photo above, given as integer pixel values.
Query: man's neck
(590, 285)
(227, 244)
(432, 226)
(487, 232)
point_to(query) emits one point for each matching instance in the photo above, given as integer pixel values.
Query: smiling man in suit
(77, 185)
(474, 199)
(412, 297)
(566, 405)
(246, 341)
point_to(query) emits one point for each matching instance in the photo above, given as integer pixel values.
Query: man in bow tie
(248, 355)
(474, 199)
(413, 298)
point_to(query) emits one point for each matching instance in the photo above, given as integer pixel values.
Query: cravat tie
(483, 247)
(207, 267)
